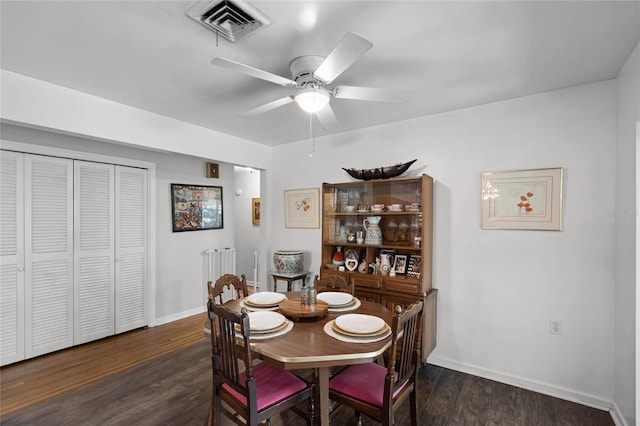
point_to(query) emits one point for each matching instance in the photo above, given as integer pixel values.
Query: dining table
(308, 346)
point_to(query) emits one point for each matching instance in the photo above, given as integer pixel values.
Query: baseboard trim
(179, 316)
(617, 416)
(543, 388)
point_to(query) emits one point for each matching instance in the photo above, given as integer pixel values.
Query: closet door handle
(20, 268)
(117, 259)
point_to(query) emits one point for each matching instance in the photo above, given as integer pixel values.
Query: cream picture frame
(522, 199)
(302, 208)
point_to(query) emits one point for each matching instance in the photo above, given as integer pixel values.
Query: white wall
(628, 113)
(181, 286)
(247, 235)
(499, 289)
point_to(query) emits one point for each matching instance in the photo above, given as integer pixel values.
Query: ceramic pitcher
(373, 233)
(386, 262)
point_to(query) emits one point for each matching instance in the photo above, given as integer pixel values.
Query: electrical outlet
(555, 326)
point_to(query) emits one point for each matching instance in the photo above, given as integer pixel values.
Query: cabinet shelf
(382, 213)
(390, 246)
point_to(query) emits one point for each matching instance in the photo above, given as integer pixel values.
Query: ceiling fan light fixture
(312, 100)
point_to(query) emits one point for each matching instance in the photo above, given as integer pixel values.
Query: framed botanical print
(522, 199)
(302, 208)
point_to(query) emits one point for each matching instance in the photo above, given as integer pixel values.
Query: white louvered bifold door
(11, 257)
(48, 254)
(93, 251)
(131, 248)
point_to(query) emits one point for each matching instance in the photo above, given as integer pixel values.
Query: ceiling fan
(310, 76)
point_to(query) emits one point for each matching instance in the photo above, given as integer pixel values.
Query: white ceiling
(448, 55)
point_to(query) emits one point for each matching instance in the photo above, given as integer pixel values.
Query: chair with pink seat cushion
(378, 391)
(259, 392)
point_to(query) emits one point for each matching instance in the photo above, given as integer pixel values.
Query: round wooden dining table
(307, 345)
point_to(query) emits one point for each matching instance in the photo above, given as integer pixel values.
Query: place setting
(263, 301)
(267, 324)
(339, 301)
(358, 328)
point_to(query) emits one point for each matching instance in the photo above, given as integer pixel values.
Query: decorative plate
(360, 323)
(264, 321)
(335, 298)
(265, 298)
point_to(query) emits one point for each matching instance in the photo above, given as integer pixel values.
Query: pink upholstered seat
(272, 385)
(364, 382)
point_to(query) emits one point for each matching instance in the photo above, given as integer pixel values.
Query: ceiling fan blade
(253, 72)
(267, 107)
(369, 94)
(326, 117)
(348, 50)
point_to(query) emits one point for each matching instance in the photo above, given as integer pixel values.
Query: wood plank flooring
(29, 382)
(175, 389)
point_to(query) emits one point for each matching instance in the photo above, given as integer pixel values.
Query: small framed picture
(212, 170)
(255, 211)
(400, 264)
(415, 263)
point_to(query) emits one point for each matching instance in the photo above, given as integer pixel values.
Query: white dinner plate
(265, 320)
(265, 298)
(335, 298)
(360, 323)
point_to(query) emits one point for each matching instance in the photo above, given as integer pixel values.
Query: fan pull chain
(312, 136)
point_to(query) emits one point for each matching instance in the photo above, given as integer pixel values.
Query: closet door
(11, 257)
(93, 251)
(48, 254)
(131, 248)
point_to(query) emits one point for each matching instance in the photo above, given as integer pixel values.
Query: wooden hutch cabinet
(406, 224)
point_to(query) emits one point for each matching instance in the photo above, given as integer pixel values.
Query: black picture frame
(415, 265)
(196, 207)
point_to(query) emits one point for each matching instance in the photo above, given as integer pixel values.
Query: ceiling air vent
(233, 20)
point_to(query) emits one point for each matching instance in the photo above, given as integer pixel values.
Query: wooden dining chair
(259, 392)
(227, 287)
(333, 283)
(378, 391)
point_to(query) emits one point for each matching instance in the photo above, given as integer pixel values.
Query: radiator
(256, 267)
(217, 263)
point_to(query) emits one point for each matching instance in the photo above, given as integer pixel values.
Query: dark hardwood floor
(175, 389)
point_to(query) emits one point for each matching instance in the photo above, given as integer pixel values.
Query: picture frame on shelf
(414, 265)
(400, 264)
(302, 208)
(522, 199)
(196, 207)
